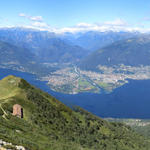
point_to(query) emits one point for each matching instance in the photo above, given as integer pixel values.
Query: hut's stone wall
(18, 111)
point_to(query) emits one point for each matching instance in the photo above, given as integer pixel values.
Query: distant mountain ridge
(12, 54)
(94, 40)
(66, 47)
(131, 52)
(19, 58)
(45, 45)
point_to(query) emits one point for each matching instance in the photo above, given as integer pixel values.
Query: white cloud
(117, 22)
(40, 24)
(115, 25)
(36, 18)
(83, 25)
(37, 22)
(32, 18)
(102, 28)
(106, 26)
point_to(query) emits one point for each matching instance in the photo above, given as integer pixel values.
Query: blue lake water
(129, 101)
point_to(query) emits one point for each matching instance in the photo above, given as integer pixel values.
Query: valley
(110, 78)
(66, 63)
(73, 80)
(70, 79)
(74, 75)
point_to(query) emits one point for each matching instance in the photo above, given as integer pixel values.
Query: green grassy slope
(48, 124)
(142, 126)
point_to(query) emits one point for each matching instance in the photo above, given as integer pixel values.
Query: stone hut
(17, 111)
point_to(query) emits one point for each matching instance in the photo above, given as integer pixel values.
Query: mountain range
(45, 45)
(61, 48)
(94, 40)
(16, 55)
(129, 52)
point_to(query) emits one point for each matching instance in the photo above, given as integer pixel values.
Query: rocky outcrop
(9, 146)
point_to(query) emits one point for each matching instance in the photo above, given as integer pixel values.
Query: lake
(132, 100)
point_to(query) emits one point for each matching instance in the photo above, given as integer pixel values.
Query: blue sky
(74, 15)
